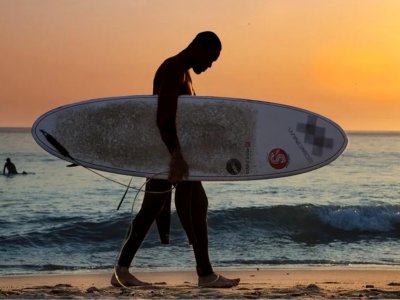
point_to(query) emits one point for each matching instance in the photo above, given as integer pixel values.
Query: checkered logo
(315, 136)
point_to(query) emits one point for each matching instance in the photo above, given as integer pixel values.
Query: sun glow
(358, 71)
(320, 55)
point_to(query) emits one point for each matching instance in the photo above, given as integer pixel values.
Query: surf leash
(126, 192)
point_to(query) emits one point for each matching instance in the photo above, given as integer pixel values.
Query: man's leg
(192, 205)
(151, 207)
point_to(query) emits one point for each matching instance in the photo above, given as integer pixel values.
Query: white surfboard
(221, 138)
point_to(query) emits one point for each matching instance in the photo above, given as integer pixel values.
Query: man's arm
(166, 109)
(4, 170)
(171, 80)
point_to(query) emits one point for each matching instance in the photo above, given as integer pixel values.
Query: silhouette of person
(171, 80)
(11, 169)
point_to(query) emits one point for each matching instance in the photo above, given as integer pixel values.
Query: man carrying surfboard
(171, 80)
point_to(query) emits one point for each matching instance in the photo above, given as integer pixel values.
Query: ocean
(65, 219)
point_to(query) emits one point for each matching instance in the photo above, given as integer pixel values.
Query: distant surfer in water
(171, 80)
(10, 167)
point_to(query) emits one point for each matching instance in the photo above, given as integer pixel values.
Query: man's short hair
(207, 39)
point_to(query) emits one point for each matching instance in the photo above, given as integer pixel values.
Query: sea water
(65, 219)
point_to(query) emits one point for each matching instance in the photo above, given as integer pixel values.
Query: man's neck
(185, 57)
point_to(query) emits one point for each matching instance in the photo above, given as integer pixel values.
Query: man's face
(205, 59)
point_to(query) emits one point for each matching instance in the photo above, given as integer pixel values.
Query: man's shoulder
(173, 63)
(172, 67)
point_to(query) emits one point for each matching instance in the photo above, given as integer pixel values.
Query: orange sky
(338, 58)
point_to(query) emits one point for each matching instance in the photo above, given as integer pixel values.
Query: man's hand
(178, 168)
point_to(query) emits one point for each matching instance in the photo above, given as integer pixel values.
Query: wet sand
(319, 282)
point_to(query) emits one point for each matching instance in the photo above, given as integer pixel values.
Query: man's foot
(217, 281)
(122, 278)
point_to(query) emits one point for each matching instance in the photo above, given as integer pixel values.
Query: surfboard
(18, 174)
(222, 139)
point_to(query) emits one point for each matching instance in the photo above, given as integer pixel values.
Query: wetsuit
(191, 205)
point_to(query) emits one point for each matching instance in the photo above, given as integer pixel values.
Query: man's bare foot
(122, 278)
(217, 281)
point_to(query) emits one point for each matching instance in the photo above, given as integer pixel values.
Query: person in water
(171, 80)
(10, 167)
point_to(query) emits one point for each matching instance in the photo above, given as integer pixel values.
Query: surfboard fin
(72, 165)
(60, 148)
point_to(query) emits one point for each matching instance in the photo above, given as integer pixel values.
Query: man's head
(8, 160)
(206, 48)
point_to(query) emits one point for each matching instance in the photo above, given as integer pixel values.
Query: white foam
(370, 218)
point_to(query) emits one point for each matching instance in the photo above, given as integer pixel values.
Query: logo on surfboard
(278, 158)
(315, 136)
(233, 166)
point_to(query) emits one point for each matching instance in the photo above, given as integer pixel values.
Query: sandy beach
(320, 282)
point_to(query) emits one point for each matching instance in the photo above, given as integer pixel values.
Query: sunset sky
(339, 58)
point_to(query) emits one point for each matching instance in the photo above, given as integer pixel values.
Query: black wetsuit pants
(191, 205)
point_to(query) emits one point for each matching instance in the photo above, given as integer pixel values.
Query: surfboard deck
(221, 138)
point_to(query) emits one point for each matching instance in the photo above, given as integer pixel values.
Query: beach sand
(318, 282)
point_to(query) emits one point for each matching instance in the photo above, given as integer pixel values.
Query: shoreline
(87, 271)
(305, 282)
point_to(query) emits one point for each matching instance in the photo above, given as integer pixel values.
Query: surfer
(11, 169)
(171, 80)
